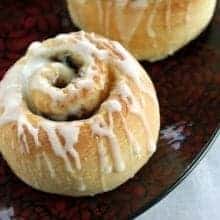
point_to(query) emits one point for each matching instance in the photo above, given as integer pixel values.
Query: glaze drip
(100, 128)
(127, 28)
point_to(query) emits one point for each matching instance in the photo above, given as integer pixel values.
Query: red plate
(188, 86)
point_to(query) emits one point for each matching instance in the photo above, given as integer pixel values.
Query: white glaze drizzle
(81, 185)
(131, 70)
(134, 106)
(11, 100)
(115, 106)
(22, 138)
(128, 23)
(85, 84)
(105, 165)
(57, 147)
(99, 127)
(131, 139)
(22, 123)
(71, 134)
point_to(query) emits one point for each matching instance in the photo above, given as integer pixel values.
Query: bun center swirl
(66, 82)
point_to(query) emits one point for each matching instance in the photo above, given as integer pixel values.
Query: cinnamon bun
(149, 29)
(78, 115)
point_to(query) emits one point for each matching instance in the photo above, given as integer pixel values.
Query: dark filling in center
(70, 62)
(73, 64)
(60, 83)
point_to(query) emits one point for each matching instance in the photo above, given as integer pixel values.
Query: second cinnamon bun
(149, 29)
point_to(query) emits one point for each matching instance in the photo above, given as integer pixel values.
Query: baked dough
(149, 29)
(78, 115)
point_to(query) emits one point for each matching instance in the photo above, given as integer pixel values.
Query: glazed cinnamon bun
(149, 29)
(78, 115)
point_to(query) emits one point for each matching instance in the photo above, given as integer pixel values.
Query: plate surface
(188, 86)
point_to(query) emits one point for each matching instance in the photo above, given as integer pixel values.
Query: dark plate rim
(185, 173)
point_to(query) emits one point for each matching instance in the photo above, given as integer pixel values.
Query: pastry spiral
(78, 115)
(149, 29)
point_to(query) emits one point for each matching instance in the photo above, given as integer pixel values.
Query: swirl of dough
(63, 82)
(78, 115)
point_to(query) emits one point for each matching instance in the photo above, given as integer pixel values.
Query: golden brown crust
(151, 31)
(35, 158)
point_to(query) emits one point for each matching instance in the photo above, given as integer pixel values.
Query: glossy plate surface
(188, 86)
